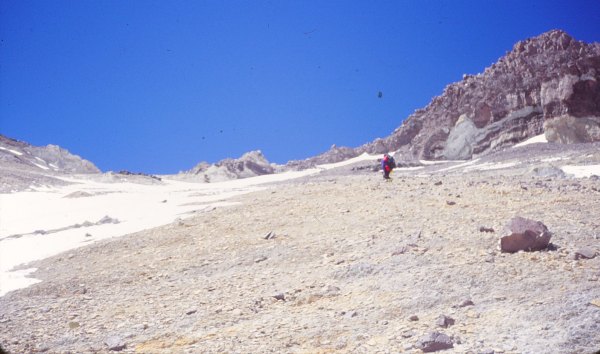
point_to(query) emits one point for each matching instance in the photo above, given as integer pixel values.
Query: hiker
(387, 164)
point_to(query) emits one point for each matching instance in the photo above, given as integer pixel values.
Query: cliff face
(547, 84)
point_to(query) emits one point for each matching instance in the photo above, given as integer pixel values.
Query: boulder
(434, 341)
(585, 253)
(523, 234)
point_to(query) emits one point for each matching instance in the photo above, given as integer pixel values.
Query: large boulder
(523, 234)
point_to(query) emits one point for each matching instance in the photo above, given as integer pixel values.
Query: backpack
(391, 162)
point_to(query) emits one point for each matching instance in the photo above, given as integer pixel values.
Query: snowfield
(42, 223)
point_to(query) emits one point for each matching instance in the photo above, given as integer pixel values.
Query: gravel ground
(333, 263)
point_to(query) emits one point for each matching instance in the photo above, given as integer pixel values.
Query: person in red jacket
(387, 165)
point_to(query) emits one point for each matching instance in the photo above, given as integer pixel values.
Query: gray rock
(434, 341)
(444, 321)
(523, 234)
(548, 171)
(115, 343)
(413, 318)
(357, 270)
(270, 235)
(585, 253)
(465, 303)
(107, 220)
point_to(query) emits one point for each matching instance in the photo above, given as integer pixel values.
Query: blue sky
(158, 86)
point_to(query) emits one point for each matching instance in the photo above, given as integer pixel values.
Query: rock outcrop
(548, 84)
(16, 154)
(251, 164)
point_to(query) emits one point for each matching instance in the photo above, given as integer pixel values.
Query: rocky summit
(548, 84)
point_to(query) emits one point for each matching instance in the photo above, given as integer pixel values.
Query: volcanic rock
(523, 234)
(432, 342)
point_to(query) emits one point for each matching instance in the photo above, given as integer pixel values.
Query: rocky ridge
(549, 84)
(14, 153)
(250, 164)
(24, 165)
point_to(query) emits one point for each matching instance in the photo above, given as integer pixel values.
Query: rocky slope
(339, 263)
(251, 164)
(547, 84)
(23, 165)
(18, 154)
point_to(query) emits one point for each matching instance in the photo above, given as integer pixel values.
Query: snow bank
(364, 157)
(536, 139)
(136, 206)
(582, 171)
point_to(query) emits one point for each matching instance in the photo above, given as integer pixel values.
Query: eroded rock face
(251, 164)
(547, 84)
(523, 234)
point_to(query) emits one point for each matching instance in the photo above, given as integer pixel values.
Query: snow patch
(137, 206)
(536, 139)
(582, 171)
(364, 157)
(491, 166)
(464, 164)
(40, 166)
(18, 153)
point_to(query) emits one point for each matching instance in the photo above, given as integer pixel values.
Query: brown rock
(523, 234)
(444, 321)
(432, 342)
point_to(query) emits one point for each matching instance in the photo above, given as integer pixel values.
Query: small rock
(269, 236)
(399, 251)
(465, 303)
(115, 343)
(432, 342)
(486, 229)
(413, 318)
(438, 183)
(236, 312)
(191, 312)
(595, 302)
(107, 220)
(260, 259)
(444, 321)
(73, 325)
(584, 253)
(407, 334)
(351, 314)
(449, 202)
(280, 296)
(330, 290)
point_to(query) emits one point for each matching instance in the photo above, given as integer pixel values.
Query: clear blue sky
(158, 86)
